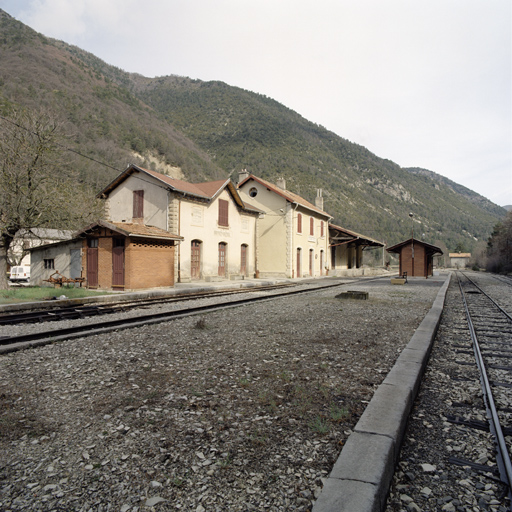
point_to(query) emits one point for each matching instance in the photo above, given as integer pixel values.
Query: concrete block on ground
(397, 280)
(355, 295)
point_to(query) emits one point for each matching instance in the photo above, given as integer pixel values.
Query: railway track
(490, 327)
(52, 313)
(448, 457)
(21, 341)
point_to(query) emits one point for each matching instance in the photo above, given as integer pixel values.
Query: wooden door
(243, 260)
(195, 259)
(222, 259)
(92, 263)
(299, 257)
(311, 262)
(118, 263)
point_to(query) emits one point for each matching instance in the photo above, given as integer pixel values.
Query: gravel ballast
(426, 478)
(241, 409)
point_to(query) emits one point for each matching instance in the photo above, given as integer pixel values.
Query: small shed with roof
(416, 257)
(122, 255)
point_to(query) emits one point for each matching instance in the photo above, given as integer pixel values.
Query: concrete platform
(360, 479)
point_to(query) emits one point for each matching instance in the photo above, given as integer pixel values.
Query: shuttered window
(223, 213)
(311, 226)
(299, 223)
(138, 204)
(322, 229)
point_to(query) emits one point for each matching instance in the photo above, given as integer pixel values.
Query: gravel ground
(425, 480)
(237, 410)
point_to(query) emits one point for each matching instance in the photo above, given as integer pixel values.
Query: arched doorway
(222, 258)
(195, 259)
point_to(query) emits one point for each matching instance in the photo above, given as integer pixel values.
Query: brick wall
(149, 264)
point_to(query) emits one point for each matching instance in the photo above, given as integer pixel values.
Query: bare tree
(35, 189)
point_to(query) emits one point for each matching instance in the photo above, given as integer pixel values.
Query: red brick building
(126, 256)
(416, 257)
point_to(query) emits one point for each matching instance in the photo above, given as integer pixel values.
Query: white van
(20, 274)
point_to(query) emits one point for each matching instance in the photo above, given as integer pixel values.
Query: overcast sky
(425, 83)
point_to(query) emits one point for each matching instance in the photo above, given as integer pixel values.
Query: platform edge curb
(364, 491)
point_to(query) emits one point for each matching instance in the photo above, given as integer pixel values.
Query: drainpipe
(256, 248)
(179, 245)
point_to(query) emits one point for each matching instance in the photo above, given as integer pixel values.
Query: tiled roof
(430, 248)
(289, 196)
(207, 190)
(133, 230)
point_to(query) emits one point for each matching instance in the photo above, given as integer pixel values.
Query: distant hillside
(103, 118)
(208, 130)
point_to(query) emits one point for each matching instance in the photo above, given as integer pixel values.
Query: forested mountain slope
(209, 130)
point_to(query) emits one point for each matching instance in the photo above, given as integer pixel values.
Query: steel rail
(44, 337)
(55, 312)
(503, 455)
(488, 296)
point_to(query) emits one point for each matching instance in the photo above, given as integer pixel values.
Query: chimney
(319, 200)
(244, 173)
(281, 183)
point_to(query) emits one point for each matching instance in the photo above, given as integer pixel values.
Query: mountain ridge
(211, 130)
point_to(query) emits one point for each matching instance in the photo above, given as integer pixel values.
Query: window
(322, 229)
(253, 192)
(50, 264)
(299, 223)
(92, 243)
(311, 226)
(223, 213)
(138, 204)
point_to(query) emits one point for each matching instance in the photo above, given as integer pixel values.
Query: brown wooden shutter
(223, 212)
(311, 226)
(299, 223)
(138, 204)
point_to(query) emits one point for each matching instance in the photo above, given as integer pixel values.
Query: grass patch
(41, 293)
(338, 413)
(319, 425)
